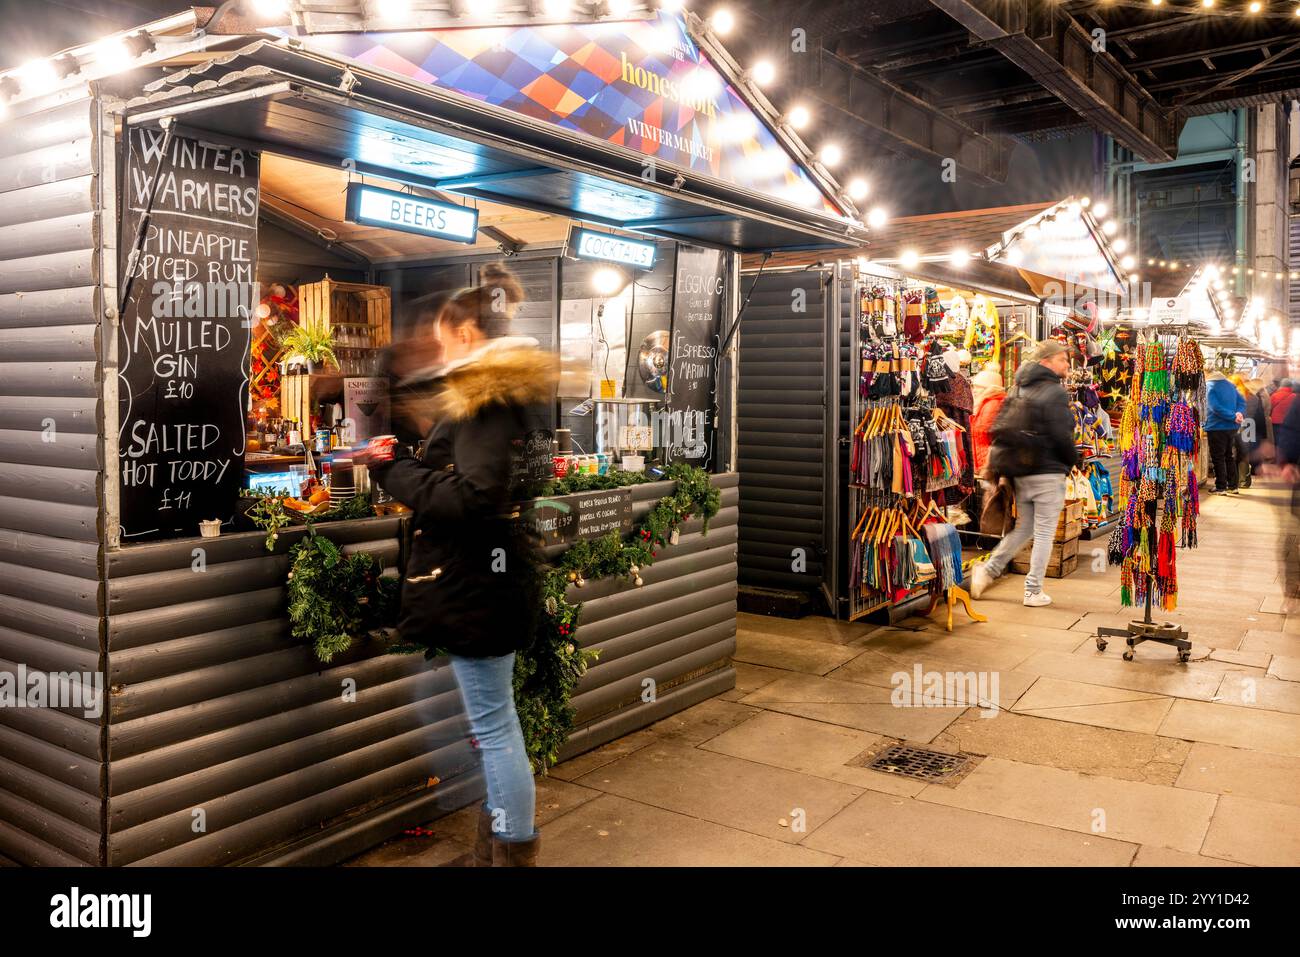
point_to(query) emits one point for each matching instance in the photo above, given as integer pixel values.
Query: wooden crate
(1056, 569)
(359, 315)
(1061, 551)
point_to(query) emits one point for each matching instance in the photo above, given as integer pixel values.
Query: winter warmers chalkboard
(697, 299)
(189, 262)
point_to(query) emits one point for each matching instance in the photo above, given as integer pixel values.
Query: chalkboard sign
(583, 515)
(697, 304)
(183, 341)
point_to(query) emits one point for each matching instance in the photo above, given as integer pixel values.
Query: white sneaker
(1037, 599)
(980, 580)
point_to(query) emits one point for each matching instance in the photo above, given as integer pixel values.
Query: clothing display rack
(906, 451)
(1160, 437)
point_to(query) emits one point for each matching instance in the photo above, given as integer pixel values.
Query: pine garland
(334, 599)
(547, 672)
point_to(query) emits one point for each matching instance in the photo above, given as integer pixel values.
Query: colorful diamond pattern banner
(644, 85)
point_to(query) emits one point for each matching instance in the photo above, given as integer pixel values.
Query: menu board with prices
(697, 307)
(185, 331)
(583, 515)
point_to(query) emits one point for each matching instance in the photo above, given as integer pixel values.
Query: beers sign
(370, 206)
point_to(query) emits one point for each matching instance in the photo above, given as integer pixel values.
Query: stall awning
(314, 107)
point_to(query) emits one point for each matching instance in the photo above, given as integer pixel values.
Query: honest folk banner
(183, 342)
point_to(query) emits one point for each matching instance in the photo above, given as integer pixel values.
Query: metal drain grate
(920, 763)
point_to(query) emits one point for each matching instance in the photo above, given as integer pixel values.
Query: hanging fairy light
(763, 72)
(831, 154)
(799, 117)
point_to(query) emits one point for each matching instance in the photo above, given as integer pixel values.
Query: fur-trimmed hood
(507, 371)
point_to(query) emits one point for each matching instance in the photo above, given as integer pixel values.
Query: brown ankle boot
(483, 843)
(515, 853)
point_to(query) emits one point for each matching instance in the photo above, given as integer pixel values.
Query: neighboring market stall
(359, 170)
(979, 283)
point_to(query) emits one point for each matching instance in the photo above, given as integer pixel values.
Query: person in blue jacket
(1226, 409)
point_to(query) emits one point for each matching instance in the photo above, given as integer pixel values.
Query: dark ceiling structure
(958, 78)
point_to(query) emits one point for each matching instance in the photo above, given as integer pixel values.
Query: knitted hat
(1046, 349)
(988, 379)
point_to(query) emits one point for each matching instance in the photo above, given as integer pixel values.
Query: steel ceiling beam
(895, 119)
(1057, 52)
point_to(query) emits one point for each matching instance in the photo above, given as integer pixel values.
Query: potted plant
(308, 345)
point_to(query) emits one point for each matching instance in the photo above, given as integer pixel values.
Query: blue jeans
(487, 689)
(1039, 499)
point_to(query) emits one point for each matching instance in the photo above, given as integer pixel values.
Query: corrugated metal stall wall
(782, 428)
(51, 477)
(228, 739)
(678, 628)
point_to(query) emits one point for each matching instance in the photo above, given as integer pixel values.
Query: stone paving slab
(575, 768)
(1109, 669)
(1151, 856)
(1126, 810)
(1027, 739)
(1250, 690)
(898, 832)
(809, 628)
(1254, 832)
(852, 704)
(613, 831)
(1273, 642)
(722, 789)
(752, 677)
(790, 654)
(933, 649)
(1234, 727)
(1284, 667)
(881, 671)
(701, 722)
(1097, 705)
(1250, 659)
(1038, 636)
(1253, 774)
(811, 747)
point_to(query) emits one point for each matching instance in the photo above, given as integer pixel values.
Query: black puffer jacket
(1039, 406)
(468, 583)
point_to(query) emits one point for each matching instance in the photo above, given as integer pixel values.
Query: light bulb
(877, 218)
(607, 281)
(617, 8)
(112, 54)
(1109, 227)
(799, 117)
(1255, 6)
(1016, 256)
(1119, 244)
(556, 8)
(722, 21)
(38, 75)
(910, 259)
(959, 257)
(1100, 210)
(858, 188)
(1128, 262)
(831, 154)
(763, 72)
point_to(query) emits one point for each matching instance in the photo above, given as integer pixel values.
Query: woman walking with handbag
(468, 584)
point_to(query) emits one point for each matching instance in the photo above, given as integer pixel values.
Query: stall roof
(639, 120)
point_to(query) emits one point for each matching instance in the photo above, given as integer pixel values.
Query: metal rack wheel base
(1165, 632)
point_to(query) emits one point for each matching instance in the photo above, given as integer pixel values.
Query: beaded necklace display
(1159, 436)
